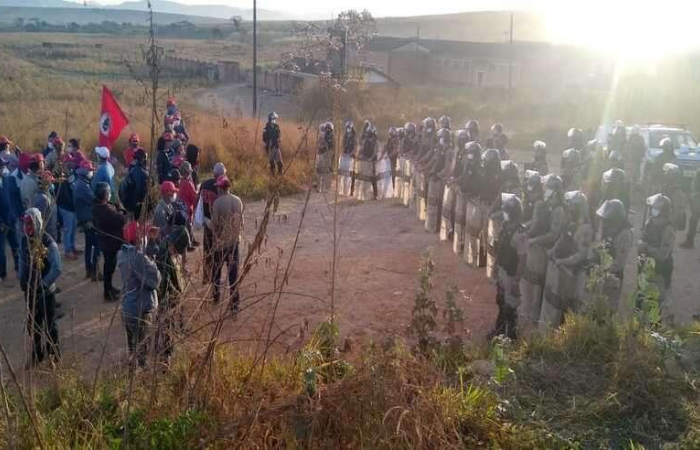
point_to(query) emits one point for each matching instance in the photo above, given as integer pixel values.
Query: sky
(638, 28)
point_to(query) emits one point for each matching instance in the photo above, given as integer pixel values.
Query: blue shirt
(105, 174)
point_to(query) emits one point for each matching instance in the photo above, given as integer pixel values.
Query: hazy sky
(378, 8)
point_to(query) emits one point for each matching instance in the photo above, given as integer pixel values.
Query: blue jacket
(83, 198)
(14, 196)
(5, 209)
(49, 213)
(105, 174)
(141, 279)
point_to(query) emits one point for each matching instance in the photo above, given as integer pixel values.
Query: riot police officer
(566, 272)
(540, 158)
(616, 235)
(636, 148)
(694, 212)
(509, 257)
(667, 156)
(571, 169)
(657, 242)
(468, 182)
(534, 195)
(672, 188)
(549, 219)
(511, 178)
(472, 127)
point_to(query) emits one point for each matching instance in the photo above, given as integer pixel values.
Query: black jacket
(109, 224)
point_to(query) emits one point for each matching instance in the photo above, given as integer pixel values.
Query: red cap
(86, 164)
(46, 176)
(37, 157)
(134, 137)
(168, 187)
(171, 101)
(223, 181)
(131, 232)
(57, 140)
(177, 161)
(4, 140)
(168, 136)
(24, 160)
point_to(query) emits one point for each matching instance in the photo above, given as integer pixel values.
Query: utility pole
(510, 59)
(255, 59)
(415, 56)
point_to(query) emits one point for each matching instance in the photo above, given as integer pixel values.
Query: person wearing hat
(134, 187)
(208, 193)
(134, 142)
(30, 181)
(83, 198)
(39, 269)
(44, 202)
(109, 224)
(171, 288)
(140, 278)
(104, 172)
(227, 224)
(8, 223)
(165, 210)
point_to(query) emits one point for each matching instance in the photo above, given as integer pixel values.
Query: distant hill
(218, 11)
(472, 26)
(82, 16)
(39, 3)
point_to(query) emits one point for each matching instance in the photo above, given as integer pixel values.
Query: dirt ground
(379, 255)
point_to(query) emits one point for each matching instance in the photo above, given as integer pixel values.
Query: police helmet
(445, 122)
(491, 157)
(671, 170)
(614, 176)
(510, 168)
(613, 210)
(497, 128)
(473, 151)
(666, 144)
(501, 140)
(472, 126)
(272, 116)
(410, 127)
(554, 183)
(512, 206)
(571, 156)
(533, 179)
(660, 202)
(539, 146)
(462, 138)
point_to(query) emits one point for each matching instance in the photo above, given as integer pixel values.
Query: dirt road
(380, 250)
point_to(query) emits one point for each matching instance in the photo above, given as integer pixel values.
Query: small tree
(423, 323)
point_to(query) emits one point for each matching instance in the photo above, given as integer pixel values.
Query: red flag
(112, 121)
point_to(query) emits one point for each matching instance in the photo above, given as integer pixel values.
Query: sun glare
(635, 30)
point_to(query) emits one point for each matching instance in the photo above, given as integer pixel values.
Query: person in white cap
(104, 172)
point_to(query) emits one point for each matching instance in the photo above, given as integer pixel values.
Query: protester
(170, 290)
(227, 224)
(192, 156)
(105, 172)
(131, 149)
(49, 145)
(208, 194)
(56, 156)
(165, 210)
(134, 187)
(163, 152)
(188, 196)
(30, 181)
(109, 224)
(74, 156)
(44, 202)
(39, 269)
(83, 198)
(140, 279)
(8, 223)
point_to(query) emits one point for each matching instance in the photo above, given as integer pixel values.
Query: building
(484, 65)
